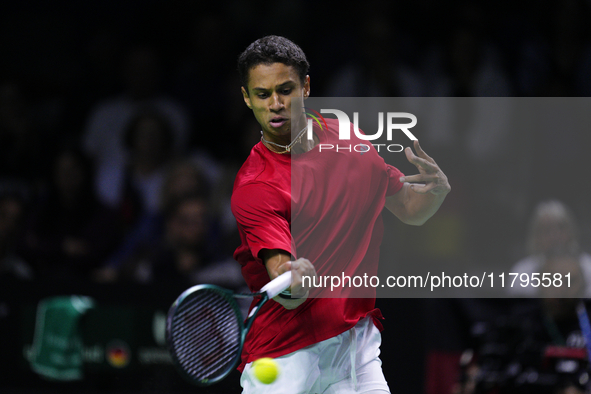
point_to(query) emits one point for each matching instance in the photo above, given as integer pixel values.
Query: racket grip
(277, 285)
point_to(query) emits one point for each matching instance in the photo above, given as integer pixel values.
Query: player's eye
(286, 91)
(262, 95)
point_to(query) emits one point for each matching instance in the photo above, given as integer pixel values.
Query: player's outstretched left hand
(434, 179)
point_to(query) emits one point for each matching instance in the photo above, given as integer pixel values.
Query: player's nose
(276, 102)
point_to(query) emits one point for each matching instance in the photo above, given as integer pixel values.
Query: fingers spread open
(421, 153)
(419, 162)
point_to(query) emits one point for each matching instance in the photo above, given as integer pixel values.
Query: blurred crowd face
(183, 179)
(148, 139)
(553, 228)
(553, 233)
(188, 225)
(70, 177)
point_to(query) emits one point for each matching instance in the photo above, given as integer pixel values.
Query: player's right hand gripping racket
(205, 331)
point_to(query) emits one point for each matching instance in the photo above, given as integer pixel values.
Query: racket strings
(206, 335)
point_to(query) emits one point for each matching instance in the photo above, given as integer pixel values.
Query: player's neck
(295, 143)
(305, 145)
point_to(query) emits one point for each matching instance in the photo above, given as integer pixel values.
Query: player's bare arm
(277, 262)
(423, 193)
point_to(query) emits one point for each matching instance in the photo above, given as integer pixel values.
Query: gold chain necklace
(286, 148)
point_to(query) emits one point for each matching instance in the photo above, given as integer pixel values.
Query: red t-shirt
(324, 205)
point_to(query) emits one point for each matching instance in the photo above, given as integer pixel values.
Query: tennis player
(322, 345)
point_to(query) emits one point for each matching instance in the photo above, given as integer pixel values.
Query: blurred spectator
(12, 213)
(104, 135)
(553, 229)
(537, 346)
(135, 185)
(148, 140)
(182, 178)
(185, 254)
(70, 232)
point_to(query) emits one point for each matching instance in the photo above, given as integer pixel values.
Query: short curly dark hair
(272, 49)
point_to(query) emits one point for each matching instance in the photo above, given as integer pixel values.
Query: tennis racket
(205, 330)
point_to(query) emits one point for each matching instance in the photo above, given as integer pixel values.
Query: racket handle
(277, 285)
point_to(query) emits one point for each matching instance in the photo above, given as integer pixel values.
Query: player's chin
(283, 129)
(282, 132)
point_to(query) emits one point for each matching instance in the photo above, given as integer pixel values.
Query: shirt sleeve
(394, 184)
(263, 214)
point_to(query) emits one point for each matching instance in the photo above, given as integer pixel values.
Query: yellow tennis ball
(265, 370)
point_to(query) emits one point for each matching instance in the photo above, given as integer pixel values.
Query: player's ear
(307, 87)
(246, 97)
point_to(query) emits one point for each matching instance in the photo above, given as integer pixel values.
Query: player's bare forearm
(274, 259)
(277, 262)
(415, 203)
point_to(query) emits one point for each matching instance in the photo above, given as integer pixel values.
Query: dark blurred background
(122, 127)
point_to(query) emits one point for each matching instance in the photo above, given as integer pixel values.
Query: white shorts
(325, 367)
